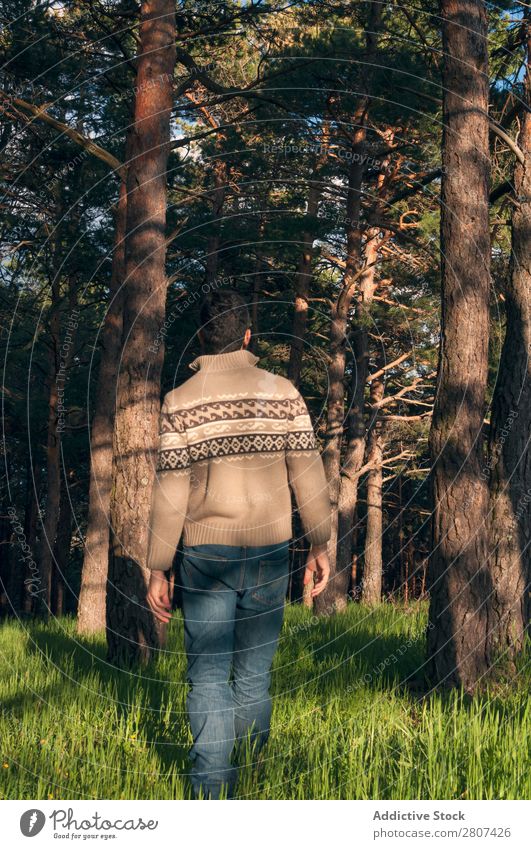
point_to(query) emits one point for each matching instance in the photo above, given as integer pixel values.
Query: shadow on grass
(396, 662)
(389, 660)
(87, 658)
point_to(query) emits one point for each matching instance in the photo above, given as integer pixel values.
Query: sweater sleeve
(170, 491)
(306, 474)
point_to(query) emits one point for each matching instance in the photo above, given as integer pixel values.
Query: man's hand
(317, 566)
(158, 596)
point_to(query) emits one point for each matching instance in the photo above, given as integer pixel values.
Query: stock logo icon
(31, 822)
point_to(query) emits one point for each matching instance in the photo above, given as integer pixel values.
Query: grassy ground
(349, 721)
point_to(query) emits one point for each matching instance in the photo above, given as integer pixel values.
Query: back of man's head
(224, 318)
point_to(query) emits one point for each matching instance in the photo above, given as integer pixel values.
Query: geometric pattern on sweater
(248, 408)
(252, 408)
(173, 458)
(224, 446)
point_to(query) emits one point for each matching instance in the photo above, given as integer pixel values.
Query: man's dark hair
(224, 318)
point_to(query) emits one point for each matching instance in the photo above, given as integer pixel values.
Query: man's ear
(246, 338)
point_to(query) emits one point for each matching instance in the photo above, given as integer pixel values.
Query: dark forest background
(360, 172)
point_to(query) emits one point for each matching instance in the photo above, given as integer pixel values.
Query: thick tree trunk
(131, 629)
(510, 483)
(459, 585)
(372, 560)
(91, 606)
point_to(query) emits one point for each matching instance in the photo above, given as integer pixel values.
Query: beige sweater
(233, 440)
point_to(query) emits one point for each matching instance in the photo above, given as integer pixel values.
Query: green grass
(349, 720)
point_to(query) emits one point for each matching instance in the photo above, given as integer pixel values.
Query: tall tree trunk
(7, 601)
(348, 493)
(459, 585)
(59, 361)
(303, 279)
(31, 515)
(372, 560)
(53, 467)
(217, 199)
(91, 605)
(131, 629)
(354, 577)
(334, 596)
(257, 283)
(62, 550)
(510, 484)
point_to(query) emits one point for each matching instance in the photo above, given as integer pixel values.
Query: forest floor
(350, 720)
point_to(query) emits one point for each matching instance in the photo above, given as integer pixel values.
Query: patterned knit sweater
(234, 439)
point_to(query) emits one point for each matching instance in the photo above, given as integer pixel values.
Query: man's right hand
(158, 596)
(317, 568)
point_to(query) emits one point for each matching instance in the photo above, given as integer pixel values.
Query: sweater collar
(222, 362)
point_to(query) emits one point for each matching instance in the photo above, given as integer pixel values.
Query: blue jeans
(233, 605)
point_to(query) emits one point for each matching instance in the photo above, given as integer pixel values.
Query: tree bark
(132, 631)
(59, 361)
(459, 585)
(53, 468)
(218, 195)
(257, 284)
(510, 480)
(348, 493)
(372, 560)
(7, 601)
(303, 279)
(91, 606)
(62, 550)
(31, 514)
(334, 596)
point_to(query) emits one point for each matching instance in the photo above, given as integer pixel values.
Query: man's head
(225, 322)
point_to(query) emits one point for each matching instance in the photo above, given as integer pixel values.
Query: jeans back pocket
(203, 569)
(272, 583)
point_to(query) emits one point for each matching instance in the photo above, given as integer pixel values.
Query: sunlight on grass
(350, 718)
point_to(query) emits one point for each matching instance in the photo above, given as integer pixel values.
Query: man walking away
(234, 439)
